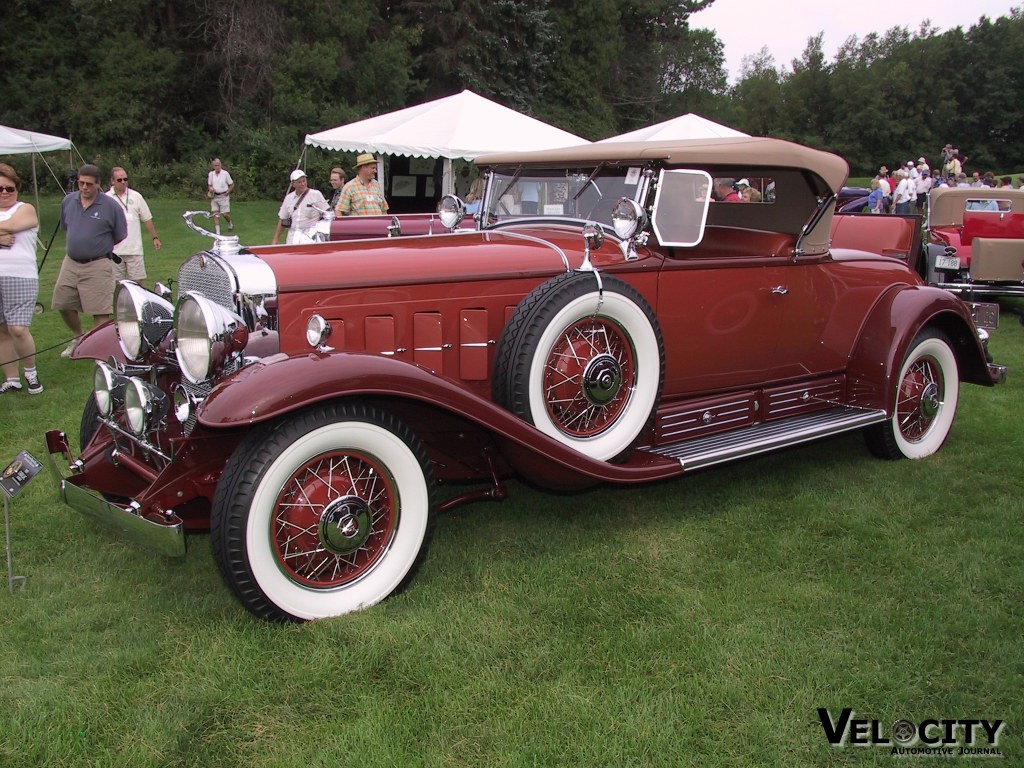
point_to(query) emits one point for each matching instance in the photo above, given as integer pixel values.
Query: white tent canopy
(688, 126)
(461, 126)
(14, 141)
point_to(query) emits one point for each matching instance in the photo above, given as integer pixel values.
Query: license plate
(985, 314)
(947, 262)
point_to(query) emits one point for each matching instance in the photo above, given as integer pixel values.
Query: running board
(767, 436)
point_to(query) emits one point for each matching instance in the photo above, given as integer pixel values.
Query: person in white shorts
(219, 186)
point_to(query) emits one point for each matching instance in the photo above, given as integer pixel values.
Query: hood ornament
(223, 245)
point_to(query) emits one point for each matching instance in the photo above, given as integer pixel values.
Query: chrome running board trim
(767, 436)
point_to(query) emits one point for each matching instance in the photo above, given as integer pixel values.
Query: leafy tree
(496, 49)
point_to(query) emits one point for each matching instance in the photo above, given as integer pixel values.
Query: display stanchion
(15, 477)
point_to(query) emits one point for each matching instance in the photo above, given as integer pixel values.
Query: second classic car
(975, 241)
(611, 319)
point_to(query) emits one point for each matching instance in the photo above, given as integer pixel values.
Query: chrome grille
(206, 275)
(199, 392)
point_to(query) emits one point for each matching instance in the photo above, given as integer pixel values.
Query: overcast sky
(744, 26)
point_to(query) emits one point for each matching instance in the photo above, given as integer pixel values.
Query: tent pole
(447, 181)
(35, 187)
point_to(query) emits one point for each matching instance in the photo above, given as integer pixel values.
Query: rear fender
(279, 385)
(888, 333)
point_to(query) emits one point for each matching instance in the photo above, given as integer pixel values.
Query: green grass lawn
(695, 622)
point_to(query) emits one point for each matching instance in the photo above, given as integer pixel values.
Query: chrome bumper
(167, 538)
(987, 290)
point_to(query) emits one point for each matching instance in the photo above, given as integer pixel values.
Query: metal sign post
(13, 581)
(15, 477)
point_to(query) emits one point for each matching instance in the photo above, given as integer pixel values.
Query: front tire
(927, 392)
(323, 512)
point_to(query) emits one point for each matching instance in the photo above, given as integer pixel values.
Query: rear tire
(927, 392)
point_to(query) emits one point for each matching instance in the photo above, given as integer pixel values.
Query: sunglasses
(124, 179)
(8, 190)
(86, 183)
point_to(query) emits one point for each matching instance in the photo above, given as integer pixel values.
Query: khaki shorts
(220, 203)
(130, 268)
(85, 288)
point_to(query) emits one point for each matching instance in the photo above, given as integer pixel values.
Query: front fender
(887, 334)
(279, 385)
(100, 344)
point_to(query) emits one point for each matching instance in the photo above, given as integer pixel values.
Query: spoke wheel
(582, 364)
(926, 396)
(334, 519)
(323, 512)
(587, 377)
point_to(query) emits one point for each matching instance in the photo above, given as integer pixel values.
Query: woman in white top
(19, 284)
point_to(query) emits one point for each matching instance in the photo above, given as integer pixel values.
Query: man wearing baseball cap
(301, 209)
(364, 195)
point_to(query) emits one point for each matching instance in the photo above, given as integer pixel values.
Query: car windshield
(572, 193)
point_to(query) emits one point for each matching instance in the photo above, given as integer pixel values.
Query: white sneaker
(34, 385)
(10, 386)
(70, 350)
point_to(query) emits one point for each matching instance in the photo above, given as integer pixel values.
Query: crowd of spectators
(906, 189)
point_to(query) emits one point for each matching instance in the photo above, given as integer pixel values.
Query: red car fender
(280, 384)
(99, 344)
(899, 315)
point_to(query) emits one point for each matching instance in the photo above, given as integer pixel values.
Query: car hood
(429, 259)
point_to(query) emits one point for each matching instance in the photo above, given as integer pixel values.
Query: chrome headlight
(206, 335)
(108, 388)
(628, 217)
(451, 211)
(143, 319)
(317, 330)
(144, 405)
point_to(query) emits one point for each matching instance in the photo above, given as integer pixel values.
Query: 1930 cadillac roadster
(608, 320)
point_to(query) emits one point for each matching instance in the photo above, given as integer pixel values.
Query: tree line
(161, 86)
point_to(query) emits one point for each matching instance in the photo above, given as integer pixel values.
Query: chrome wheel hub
(345, 525)
(602, 379)
(930, 402)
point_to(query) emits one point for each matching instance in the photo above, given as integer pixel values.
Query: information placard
(17, 474)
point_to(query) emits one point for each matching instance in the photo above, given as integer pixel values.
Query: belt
(88, 261)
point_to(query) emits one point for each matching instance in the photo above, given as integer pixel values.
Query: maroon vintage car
(314, 407)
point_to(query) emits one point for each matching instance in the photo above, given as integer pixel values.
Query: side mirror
(593, 238)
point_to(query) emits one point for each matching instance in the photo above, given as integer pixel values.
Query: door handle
(780, 290)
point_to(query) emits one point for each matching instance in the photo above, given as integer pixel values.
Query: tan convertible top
(946, 204)
(740, 150)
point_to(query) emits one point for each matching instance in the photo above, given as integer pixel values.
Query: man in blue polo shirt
(94, 224)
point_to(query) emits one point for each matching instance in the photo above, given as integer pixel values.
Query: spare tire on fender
(583, 360)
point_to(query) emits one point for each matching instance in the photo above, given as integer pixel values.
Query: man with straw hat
(364, 195)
